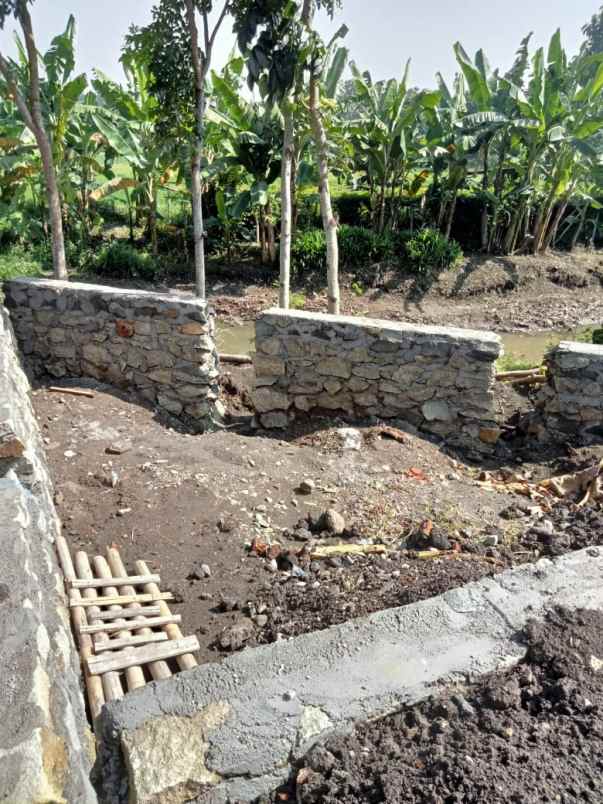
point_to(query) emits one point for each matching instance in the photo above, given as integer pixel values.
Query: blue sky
(383, 33)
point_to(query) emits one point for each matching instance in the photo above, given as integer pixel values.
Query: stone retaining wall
(439, 379)
(160, 345)
(573, 399)
(46, 748)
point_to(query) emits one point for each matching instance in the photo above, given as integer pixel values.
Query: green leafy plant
(361, 248)
(309, 253)
(121, 260)
(18, 262)
(428, 250)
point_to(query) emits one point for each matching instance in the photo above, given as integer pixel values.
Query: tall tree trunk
(485, 204)
(580, 226)
(270, 238)
(196, 187)
(286, 206)
(33, 119)
(328, 220)
(450, 216)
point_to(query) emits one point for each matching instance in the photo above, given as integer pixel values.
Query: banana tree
(126, 121)
(249, 135)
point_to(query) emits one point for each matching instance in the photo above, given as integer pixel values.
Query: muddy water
(529, 346)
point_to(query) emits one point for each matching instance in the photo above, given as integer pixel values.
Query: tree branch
(219, 21)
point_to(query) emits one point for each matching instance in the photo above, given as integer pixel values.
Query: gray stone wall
(573, 399)
(160, 345)
(46, 748)
(437, 378)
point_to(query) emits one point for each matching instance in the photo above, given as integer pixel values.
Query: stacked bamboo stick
(116, 625)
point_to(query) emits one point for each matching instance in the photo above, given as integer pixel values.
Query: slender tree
(179, 58)
(30, 109)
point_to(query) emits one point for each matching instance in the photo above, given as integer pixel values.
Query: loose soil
(533, 734)
(558, 291)
(125, 476)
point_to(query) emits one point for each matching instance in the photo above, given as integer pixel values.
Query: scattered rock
(235, 636)
(332, 521)
(118, 448)
(350, 438)
(306, 487)
(261, 620)
(490, 540)
(199, 572)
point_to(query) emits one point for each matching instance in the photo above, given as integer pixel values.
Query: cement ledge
(231, 730)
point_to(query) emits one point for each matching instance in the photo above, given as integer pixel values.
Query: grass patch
(18, 263)
(516, 363)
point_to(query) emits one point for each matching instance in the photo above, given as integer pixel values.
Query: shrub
(122, 260)
(360, 248)
(17, 262)
(309, 252)
(428, 251)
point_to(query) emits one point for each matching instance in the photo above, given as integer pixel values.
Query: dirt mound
(533, 734)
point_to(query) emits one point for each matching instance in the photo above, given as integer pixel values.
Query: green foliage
(18, 262)
(360, 248)
(428, 251)
(298, 301)
(515, 363)
(121, 260)
(598, 336)
(353, 207)
(309, 253)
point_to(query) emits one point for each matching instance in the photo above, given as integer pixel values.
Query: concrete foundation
(230, 731)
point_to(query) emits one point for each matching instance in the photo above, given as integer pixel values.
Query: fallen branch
(73, 391)
(239, 360)
(333, 550)
(514, 375)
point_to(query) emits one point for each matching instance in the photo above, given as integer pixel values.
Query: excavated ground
(531, 735)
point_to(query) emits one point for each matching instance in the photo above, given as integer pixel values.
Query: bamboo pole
(158, 669)
(94, 685)
(134, 674)
(111, 681)
(186, 661)
(131, 625)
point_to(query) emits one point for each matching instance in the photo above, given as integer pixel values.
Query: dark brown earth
(520, 293)
(181, 501)
(527, 736)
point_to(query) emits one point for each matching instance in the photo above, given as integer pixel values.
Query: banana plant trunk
(579, 227)
(328, 219)
(286, 207)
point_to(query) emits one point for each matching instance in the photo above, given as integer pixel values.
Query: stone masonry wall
(160, 345)
(572, 401)
(46, 748)
(438, 379)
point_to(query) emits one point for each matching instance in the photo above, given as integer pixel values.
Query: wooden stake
(132, 625)
(99, 583)
(130, 642)
(347, 549)
(122, 600)
(94, 686)
(159, 669)
(239, 360)
(73, 391)
(111, 681)
(134, 675)
(129, 612)
(186, 661)
(133, 657)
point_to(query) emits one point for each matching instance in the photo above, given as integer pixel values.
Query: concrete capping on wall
(46, 747)
(160, 345)
(572, 401)
(231, 731)
(439, 379)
